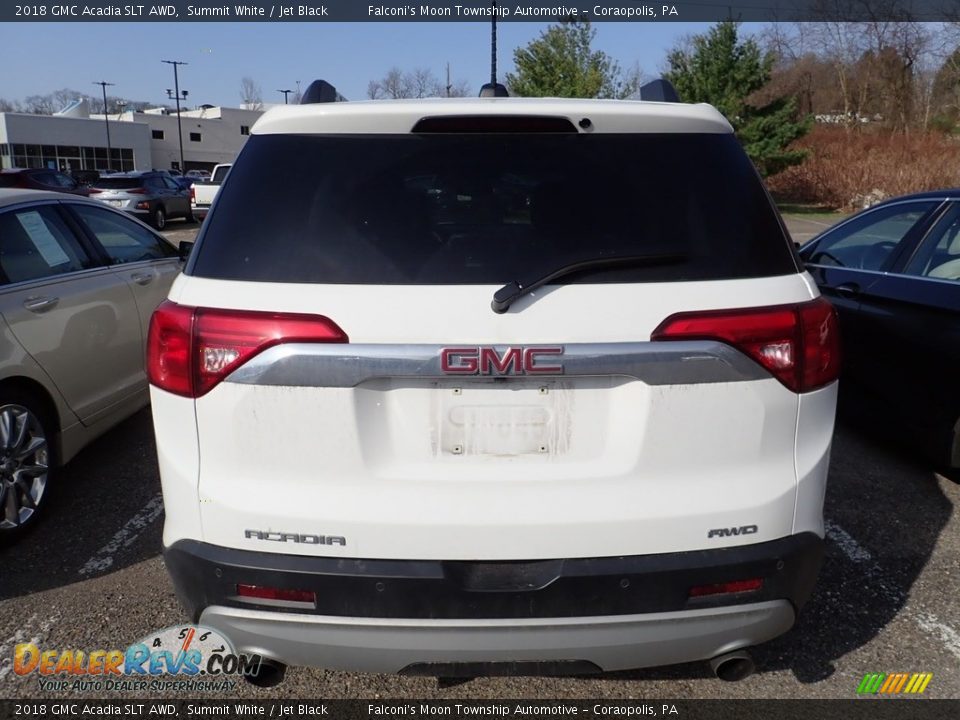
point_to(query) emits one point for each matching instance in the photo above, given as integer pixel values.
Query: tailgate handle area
(503, 576)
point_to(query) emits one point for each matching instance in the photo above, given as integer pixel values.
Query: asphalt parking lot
(91, 576)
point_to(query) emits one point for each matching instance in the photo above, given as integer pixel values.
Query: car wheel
(159, 218)
(25, 460)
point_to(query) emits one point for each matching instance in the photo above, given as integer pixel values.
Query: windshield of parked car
(452, 208)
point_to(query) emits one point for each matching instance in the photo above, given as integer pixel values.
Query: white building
(211, 135)
(64, 142)
(74, 139)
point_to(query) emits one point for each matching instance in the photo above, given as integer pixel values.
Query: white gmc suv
(461, 387)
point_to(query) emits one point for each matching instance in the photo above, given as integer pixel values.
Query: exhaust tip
(269, 673)
(733, 666)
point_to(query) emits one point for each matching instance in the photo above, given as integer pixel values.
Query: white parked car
(455, 386)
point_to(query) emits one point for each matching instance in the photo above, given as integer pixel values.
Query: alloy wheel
(24, 465)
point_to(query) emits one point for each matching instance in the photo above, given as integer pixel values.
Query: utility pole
(176, 86)
(103, 86)
(285, 93)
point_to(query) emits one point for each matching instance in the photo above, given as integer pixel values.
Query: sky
(38, 58)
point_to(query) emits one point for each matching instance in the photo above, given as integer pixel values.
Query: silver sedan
(78, 283)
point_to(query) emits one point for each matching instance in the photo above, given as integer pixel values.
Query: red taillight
(727, 588)
(136, 191)
(193, 195)
(260, 592)
(798, 344)
(168, 348)
(94, 191)
(190, 350)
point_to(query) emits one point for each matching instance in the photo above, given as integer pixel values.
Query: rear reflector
(260, 592)
(798, 344)
(190, 350)
(727, 588)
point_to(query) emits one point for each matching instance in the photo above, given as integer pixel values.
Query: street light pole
(103, 86)
(176, 86)
(285, 93)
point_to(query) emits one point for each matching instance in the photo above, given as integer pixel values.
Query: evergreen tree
(561, 63)
(721, 70)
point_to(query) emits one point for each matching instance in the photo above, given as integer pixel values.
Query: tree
(561, 63)
(417, 83)
(59, 99)
(40, 105)
(719, 69)
(250, 94)
(946, 91)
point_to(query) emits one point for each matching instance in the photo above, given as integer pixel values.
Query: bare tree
(879, 69)
(901, 54)
(375, 90)
(423, 83)
(59, 99)
(250, 94)
(418, 83)
(841, 44)
(458, 88)
(633, 78)
(395, 85)
(39, 105)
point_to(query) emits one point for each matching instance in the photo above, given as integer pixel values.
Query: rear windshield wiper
(505, 296)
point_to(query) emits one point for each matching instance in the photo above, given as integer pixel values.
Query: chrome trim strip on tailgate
(348, 365)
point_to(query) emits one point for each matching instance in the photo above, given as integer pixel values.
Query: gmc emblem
(490, 361)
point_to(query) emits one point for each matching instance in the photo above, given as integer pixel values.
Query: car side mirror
(184, 249)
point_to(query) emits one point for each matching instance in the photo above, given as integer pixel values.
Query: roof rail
(659, 90)
(320, 91)
(493, 90)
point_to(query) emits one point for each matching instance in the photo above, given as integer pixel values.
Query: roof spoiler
(659, 90)
(320, 91)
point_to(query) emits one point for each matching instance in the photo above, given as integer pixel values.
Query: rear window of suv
(490, 208)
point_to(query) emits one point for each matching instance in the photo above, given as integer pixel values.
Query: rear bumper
(385, 615)
(454, 647)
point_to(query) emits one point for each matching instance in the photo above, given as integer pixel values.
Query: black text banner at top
(481, 11)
